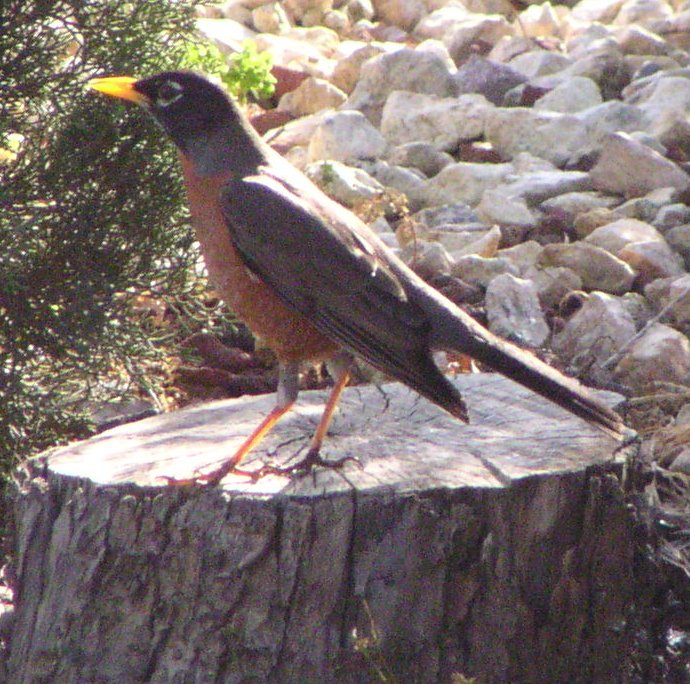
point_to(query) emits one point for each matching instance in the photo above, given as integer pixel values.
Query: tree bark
(500, 550)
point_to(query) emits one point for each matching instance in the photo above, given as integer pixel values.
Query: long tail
(455, 330)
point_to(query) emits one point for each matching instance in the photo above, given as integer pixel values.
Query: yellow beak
(119, 86)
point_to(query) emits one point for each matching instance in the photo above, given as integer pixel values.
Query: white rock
(614, 236)
(311, 96)
(571, 204)
(346, 135)
(524, 255)
(347, 70)
(599, 269)
(663, 99)
(477, 270)
(540, 63)
(485, 29)
(572, 95)
(485, 246)
(405, 15)
(537, 21)
(343, 183)
(513, 310)
(422, 156)
(405, 69)
(443, 122)
(603, 11)
(270, 18)
(297, 132)
(441, 21)
(227, 35)
(548, 135)
(642, 12)
(464, 182)
(500, 205)
(296, 51)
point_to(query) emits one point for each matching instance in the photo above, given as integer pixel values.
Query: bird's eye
(168, 93)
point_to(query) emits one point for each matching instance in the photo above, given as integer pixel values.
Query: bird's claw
(312, 459)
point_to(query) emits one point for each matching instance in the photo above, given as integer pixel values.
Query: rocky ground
(532, 162)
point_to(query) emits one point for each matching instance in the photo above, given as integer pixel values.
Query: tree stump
(500, 550)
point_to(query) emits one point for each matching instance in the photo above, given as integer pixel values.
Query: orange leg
(288, 388)
(313, 458)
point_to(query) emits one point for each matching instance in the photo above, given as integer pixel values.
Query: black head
(184, 103)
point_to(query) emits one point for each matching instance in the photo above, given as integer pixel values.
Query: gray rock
(455, 212)
(347, 71)
(539, 186)
(553, 283)
(603, 11)
(484, 244)
(672, 215)
(405, 69)
(427, 259)
(679, 240)
(614, 236)
(420, 155)
(593, 334)
(443, 122)
(636, 40)
(540, 63)
(571, 204)
(548, 135)
(599, 269)
(475, 29)
(652, 260)
(407, 181)
(610, 117)
(441, 21)
(629, 168)
(501, 205)
(345, 184)
(477, 270)
(604, 63)
(490, 79)
(513, 311)
(464, 182)
(524, 255)
(662, 354)
(571, 95)
(405, 15)
(342, 136)
(311, 96)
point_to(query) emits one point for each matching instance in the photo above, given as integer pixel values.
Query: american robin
(310, 278)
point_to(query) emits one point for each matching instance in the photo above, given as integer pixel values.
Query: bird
(310, 278)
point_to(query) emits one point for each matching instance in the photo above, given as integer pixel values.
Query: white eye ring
(169, 92)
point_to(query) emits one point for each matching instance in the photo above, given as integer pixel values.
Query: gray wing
(327, 265)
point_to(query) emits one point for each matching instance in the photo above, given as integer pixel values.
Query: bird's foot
(306, 465)
(207, 479)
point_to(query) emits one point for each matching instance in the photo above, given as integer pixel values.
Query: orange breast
(289, 334)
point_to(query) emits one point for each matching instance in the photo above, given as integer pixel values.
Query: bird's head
(187, 105)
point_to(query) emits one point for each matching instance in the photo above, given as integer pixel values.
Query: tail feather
(541, 378)
(454, 330)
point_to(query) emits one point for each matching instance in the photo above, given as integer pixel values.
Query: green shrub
(91, 210)
(245, 73)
